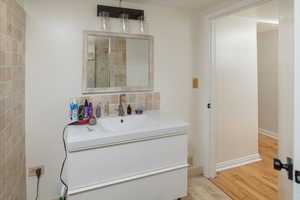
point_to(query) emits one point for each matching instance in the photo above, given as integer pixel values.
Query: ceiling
(266, 12)
(267, 15)
(188, 4)
(264, 27)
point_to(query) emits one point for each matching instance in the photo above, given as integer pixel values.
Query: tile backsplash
(148, 100)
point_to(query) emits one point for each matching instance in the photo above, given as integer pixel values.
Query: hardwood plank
(256, 181)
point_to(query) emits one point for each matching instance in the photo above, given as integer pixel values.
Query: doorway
(245, 150)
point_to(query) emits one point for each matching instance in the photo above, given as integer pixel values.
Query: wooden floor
(257, 181)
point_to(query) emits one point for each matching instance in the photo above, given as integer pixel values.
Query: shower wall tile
(12, 101)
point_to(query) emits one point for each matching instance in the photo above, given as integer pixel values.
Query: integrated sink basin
(126, 123)
(131, 128)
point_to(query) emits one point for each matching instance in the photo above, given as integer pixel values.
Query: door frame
(209, 170)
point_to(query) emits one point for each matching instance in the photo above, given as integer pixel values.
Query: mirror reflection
(117, 62)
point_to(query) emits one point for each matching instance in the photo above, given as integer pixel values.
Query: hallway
(257, 181)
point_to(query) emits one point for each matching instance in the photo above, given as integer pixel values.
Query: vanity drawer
(167, 186)
(113, 163)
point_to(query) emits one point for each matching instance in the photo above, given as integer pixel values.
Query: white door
(289, 94)
(297, 96)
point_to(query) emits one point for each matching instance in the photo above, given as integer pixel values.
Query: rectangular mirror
(117, 62)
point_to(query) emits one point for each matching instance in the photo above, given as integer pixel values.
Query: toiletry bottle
(90, 110)
(74, 111)
(129, 110)
(86, 110)
(98, 111)
(81, 112)
(140, 110)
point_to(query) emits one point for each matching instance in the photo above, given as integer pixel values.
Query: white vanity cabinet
(148, 163)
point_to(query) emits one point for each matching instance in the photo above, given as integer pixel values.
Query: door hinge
(289, 167)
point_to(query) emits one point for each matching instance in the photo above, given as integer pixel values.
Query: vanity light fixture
(124, 14)
(115, 12)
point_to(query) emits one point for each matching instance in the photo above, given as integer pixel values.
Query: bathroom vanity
(136, 157)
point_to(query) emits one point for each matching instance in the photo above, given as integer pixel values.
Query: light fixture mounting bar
(116, 12)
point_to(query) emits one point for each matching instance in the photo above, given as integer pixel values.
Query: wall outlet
(31, 171)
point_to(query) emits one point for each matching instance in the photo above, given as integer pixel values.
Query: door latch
(209, 106)
(297, 177)
(288, 166)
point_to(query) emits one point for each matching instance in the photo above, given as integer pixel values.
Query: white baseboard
(268, 133)
(238, 162)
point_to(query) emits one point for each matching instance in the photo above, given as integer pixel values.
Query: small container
(129, 110)
(98, 111)
(92, 121)
(140, 110)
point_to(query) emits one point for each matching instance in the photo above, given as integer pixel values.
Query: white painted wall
(53, 74)
(236, 88)
(267, 57)
(201, 96)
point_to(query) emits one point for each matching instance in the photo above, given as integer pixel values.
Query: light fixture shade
(124, 17)
(104, 21)
(141, 24)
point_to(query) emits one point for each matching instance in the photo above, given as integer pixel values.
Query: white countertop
(109, 130)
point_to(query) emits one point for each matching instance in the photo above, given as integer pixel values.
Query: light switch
(195, 83)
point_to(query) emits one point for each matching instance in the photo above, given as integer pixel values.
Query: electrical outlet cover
(31, 171)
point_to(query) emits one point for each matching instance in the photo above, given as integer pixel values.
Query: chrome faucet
(121, 111)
